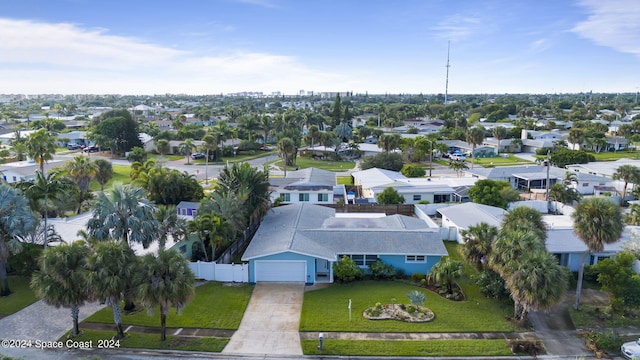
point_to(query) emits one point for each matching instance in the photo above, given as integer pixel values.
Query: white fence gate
(220, 272)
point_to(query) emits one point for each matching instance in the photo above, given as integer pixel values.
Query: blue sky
(375, 46)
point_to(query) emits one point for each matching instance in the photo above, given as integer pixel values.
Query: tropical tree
(228, 206)
(525, 218)
(166, 281)
(247, 183)
(113, 268)
(576, 137)
(389, 142)
(475, 137)
(168, 220)
(344, 132)
(478, 241)
(266, 125)
(40, 147)
(445, 273)
(497, 193)
(287, 150)
(458, 167)
(186, 148)
(125, 214)
(629, 174)
(510, 246)
(104, 172)
(597, 221)
(63, 279)
(499, 133)
(163, 147)
(633, 216)
(82, 170)
(16, 219)
(209, 144)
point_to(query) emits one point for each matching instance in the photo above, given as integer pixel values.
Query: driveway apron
(271, 321)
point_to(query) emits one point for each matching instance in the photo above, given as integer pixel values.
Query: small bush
(491, 284)
(590, 274)
(605, 341)
(532, 348)
(380, 270)
(25, 262)
(345, 270)
(400, 274)
(412, 171)
(417, 277)
(417, 297)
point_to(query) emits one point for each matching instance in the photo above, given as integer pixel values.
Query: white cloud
(65, 58)
(612, 23)
(458, 27)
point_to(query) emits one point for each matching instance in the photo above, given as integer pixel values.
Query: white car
(631, 350)
(457, 157)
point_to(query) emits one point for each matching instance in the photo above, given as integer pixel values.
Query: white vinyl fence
(220, 272)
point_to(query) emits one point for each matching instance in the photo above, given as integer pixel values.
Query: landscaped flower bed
(400, 312)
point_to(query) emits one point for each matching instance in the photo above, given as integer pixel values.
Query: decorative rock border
(399, 312)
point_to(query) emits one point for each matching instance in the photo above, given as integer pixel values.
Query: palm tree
(43, 193)
(312, 135)
(247, 183)
(204, 226)
(499, 133)
(525, 218)
(629, 174)
(458, 167)
(125, 215)
(165, 281)
(16, 219)
(167, 217)
(266, 125)
(446, 272)
(63, 280)
(576, 137)
(81, 170)
(633, 216)
(478, 242)
(103, 173)
(597, 221)
(389, 142)
(510, 247)
(186, 148)
(474, 136)
(41, 146)
(228, 206)
(287, 149)
(163, 147)
(113, 267)
(208, 145)
(537, 282)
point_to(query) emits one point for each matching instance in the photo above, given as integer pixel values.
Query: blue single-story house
(568, 248)
(301, 242)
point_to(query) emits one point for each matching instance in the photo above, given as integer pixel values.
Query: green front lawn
(408, 347)
(214, 306)
(344, 180)
(612, 156)
(21, 296)
(120, 175)
(303, 163)
(152, 341)
(499, 161)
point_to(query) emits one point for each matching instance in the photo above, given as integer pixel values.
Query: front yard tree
(186, 148)
(445, 273)
(41, 146)
(248, 184)
(82, 170)
(496, 193)
(389, 142)
(113, 266)
(597, 221)
(163, 147)
(499, 133)
(478, 240)
(63, 280)
(628, 174)
(389, 196)
(475, 137)
(120, 133)
(165, 281)
(287, 150)
(16, 219)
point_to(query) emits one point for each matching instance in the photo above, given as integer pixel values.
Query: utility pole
(548, 162)
(446, 88)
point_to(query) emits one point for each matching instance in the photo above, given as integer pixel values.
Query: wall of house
(311, 264)
(294, 196)
(399, 262)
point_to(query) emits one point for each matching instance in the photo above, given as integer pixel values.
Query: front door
(322, 267)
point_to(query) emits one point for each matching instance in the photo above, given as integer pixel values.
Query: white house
(311, 185)
(461, 217)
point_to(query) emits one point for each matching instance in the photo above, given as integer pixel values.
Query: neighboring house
(73, 137)
(505, 145)
(461, 217)
(301, 242)
(188, 209)
(542, 135)
(434, 190)
(7, 137)
(25, 170)
(148, 144)
(606, 169)
(310, 185)
(481, 151)
(531, 146)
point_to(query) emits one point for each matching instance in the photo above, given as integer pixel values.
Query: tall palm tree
(125, 214)
(113, 267)
(63, 280)
(104, 172)
(510, 247)
(248, 183)
(82, 170)
(228, 206)
(266, 125)
(629, 174)
(44, 192)
(499, 133)
(286, 149)
(166, 281)
(475, 137)
(167, 217)
(186, 148)
(478, 240)
(208, 145)
(446, 272)
(525, 218)
(163, 147)
(389, 142)
(458, 167)
(16, 219)
(597, 221)
(41, 146)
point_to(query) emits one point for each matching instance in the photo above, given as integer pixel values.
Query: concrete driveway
(270, 323)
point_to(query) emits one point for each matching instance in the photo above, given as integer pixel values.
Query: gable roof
(374, 177)
(306, 179)
(470, 214)
(314, 230)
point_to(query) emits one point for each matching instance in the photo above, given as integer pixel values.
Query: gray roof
(306, 179)
(376, 177)
(315, 231)
(470, 214)
(566, 241)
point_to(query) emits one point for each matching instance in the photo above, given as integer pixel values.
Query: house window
(417, 197)
(323, 197)
(14, 179)
(303, 197)
(285, 197)
(440, 198)
(585, 184)
(415, 259)
(362, 260)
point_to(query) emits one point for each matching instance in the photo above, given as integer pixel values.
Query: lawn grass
(592, 316)
(499, 161)
(21, 296)
(408, 348)
(157, 157)
(120, 175)
(152, 341)
(242, 156)
(215, 306)
(344, 180)
(303, 163)
(612, 156)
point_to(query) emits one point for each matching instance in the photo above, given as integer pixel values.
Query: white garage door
(284, 271)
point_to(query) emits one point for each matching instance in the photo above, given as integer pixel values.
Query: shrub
(346, 270)
(491, 284)
(417, 277)
(417, 297)
(400, 274)
(380, 270)
(607, 341)
(424, 202)
(532, 348)
(590, 274)
(412, 171)
(25, 262)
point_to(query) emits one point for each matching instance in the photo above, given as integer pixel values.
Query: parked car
(197, 156)
(458, 156)
(631, 350)
(91, 149)
(73, 146)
